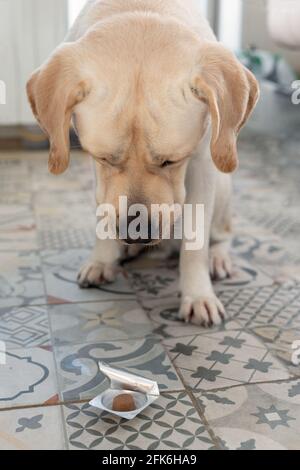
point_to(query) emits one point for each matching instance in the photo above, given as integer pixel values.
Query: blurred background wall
(29, 31)
(256, 31)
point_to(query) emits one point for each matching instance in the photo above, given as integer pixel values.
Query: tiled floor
(232, 387)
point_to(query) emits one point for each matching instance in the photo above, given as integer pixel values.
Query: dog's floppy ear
(231, 93)
(53, 91)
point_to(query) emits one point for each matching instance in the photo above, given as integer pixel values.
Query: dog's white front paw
(203, 310)
(220, 263)
(93, 274)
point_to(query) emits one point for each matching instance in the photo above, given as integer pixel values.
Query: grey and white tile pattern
(170, 423)
(78, 371)
(223, 359)
(31, 428)
(28, 378)
(24, 327)
(98, 321)
(21, 279)
(60, 270)
(255, 417)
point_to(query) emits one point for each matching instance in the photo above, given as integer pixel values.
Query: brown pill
(123, 403)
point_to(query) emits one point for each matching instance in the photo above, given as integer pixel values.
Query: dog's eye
(167, 163)
(102, 161)
(105, 161)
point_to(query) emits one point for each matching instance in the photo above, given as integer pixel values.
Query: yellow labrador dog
(159, 104)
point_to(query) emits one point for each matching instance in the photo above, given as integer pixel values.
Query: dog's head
(142, 93)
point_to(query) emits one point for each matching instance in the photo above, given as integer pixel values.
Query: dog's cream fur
(147, 83)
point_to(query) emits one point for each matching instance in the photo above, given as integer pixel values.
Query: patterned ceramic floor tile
(22, 239)
(264, 205)
(270, 216)
(66, 219)
(24, 327)
(215, 360)
(16, 198)
(28, 378)
(14, 173)
(284, 343)
(78, 177)
(17, 223)
(101, 321)
(164, 282)
(66, 238)
(260, 416)
(65, 226)
(170, 423)
(31, 428)
(244, 275)
(155, 283)
(47, 199)
(16, 217)
(78, 372)
(21, 281)
(273, 305)
(60, 274)
(264, 250)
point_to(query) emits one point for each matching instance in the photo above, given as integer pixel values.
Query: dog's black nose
(139, 241)
(135, 229)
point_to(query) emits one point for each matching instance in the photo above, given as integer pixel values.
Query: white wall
(29, 31)
(75, 6)
(230, 23)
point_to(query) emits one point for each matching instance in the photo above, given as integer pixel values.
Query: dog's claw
(220, 263)
(94, 274)
(203, 311)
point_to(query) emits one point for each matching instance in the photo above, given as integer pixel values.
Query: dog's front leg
(199, 302)
(102, 266)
